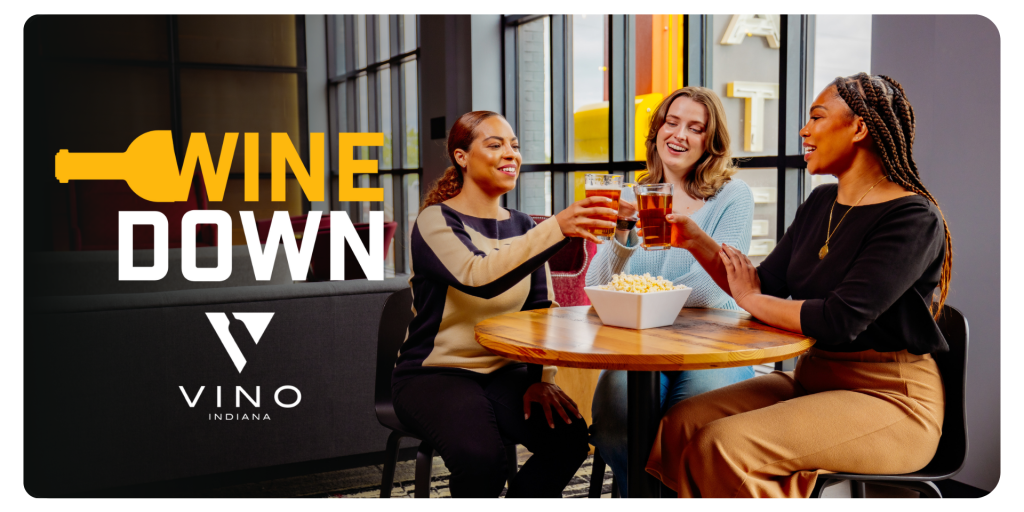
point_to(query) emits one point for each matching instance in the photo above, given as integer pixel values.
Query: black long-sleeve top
(874, 288)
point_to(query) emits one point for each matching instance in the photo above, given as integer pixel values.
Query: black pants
(470, 418)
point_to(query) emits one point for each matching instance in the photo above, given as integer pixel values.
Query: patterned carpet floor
(365, 482)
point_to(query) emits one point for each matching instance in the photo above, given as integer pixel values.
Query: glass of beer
(655, 202)
(610, 186)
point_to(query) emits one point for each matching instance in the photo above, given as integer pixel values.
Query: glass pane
(363, 181)
(811, 182)
(749, 69)
(364, 114)
(842, 47)
(387, 183)
(384, 79)
(409, 41)
(340, 61)
(219, 101)
(247, 40)
(764, 184)
(589, 88)
(535, 193)
(360, 42)
(534, 62)
(412, 116)
(412, 207)
(659, 69)
(103, 37)
(383, 38)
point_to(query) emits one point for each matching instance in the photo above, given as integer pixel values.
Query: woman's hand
(627, 210)
(684, 230)
(743, 280)
(550, 396)
(577, 218)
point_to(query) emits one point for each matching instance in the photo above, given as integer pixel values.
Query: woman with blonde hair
(687, 146)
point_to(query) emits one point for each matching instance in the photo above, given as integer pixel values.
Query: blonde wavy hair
(715, 167)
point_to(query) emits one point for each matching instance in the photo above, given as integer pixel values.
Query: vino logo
(255, 323)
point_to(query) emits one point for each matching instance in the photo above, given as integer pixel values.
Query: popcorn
(640, 284)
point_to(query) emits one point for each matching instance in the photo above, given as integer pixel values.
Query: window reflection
(383, 38)
(752, 66)
(534, 80)
(384, 79)
(412, 115)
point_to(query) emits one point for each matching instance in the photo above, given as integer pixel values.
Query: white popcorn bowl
(637, 310)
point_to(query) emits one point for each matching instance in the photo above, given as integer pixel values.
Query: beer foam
(604, 187)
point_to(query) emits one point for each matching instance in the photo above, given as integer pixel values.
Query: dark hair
(883, 105)
(715, 166)
(461, 136)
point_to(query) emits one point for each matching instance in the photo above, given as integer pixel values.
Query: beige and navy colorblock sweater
(465, 270)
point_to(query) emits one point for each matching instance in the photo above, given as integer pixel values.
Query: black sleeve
(894, 255)
(773, 269)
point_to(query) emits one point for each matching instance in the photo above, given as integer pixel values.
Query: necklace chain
(829, 231)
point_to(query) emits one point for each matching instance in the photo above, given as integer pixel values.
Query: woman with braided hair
(857, 271)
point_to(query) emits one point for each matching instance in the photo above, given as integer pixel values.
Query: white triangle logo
(256, 323)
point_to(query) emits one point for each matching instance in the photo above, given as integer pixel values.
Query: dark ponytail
(461, 136)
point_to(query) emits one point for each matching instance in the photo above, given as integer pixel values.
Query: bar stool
(394, 322)
(952, 451)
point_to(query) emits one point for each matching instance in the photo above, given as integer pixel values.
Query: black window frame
(349, 79)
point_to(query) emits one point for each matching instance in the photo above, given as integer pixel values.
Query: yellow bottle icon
(149, 167)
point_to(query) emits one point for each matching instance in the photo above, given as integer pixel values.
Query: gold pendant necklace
(824, 249)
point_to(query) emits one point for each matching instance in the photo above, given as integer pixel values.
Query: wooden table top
(699, 339)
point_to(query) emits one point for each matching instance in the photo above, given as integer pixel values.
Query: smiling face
(680, 140)
(493, 160)
(830, 134)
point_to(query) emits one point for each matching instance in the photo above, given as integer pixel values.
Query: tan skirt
(857, 412)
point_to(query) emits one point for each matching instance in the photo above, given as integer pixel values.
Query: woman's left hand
(743, 280)
(550, 396)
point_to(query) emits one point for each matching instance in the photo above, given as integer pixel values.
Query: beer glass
(655, 202)
(610, 186)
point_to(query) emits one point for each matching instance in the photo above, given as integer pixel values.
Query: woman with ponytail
(856, 270)
(472, 260)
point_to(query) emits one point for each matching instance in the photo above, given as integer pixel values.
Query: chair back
(394, 321)
(569, 269)
(952, 451)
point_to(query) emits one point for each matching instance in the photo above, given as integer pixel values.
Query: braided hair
(883, 105)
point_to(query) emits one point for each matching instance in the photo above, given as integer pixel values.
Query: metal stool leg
(513, 462)
(387, 481)
(424, 459)
(858, 489)
(597, 476)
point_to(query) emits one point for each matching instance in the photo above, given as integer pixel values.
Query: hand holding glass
(606, 185)
(655, 202)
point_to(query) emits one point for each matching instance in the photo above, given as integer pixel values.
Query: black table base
(644, 389)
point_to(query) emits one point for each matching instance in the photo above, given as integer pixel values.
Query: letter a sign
(763, 25)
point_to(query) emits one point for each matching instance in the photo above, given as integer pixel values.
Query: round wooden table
(698, 340)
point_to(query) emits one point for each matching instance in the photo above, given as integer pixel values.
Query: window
(580, 91)
(842, 47)
(128, 81)
(374, 88)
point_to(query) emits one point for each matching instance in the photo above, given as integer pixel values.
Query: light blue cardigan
(727, 217)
